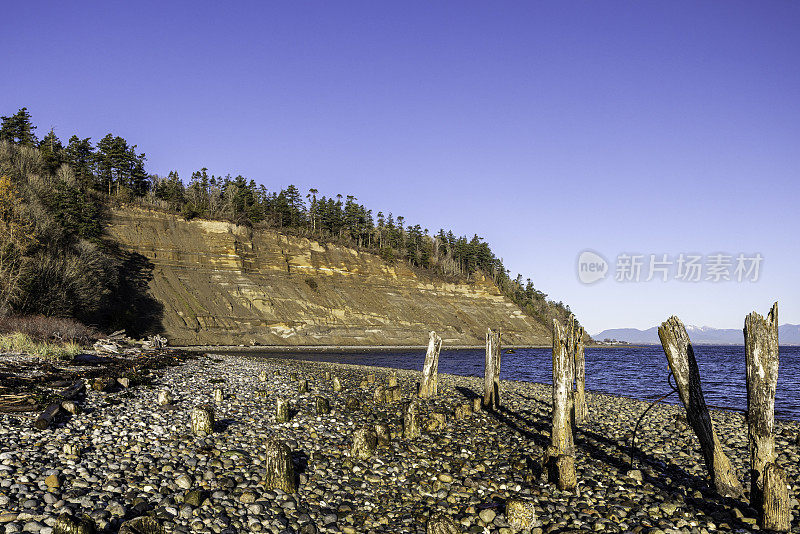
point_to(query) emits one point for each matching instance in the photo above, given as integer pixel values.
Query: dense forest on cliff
(53, 200)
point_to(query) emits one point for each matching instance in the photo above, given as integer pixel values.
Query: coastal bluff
(225, 284)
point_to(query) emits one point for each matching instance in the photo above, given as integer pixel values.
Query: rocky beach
(125, 455)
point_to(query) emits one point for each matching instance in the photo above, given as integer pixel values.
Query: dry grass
(23, 343)
(48, 329)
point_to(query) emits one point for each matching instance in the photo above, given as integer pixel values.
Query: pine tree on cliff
(18, 129)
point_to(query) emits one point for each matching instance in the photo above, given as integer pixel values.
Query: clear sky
(546, 128)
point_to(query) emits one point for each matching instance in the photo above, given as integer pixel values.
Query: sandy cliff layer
(226, 284)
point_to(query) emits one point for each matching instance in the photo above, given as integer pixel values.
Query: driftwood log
(46, 418)
(768, 492)
(576, 348)
(278, 466)
(429, 386)
(682, 363)
(560, 470)
(491, 373)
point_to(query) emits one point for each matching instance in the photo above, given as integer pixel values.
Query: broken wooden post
(441, 523)
(278, 466)
(281, 410)
(576, 349)
(491, 373)
(383, 435)
(337, 384)
(203, 419)
(392, 380)
(561, 470)
(302, 386)
(430, 370)
(262, 376)
(411, 425)
(680, 355)
(768, 492)
(218, 397)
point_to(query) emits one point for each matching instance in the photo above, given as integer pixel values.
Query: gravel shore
(140, 458)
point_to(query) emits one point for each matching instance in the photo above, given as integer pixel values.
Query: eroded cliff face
(223, 284)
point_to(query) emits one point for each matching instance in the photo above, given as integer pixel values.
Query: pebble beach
(135, 457)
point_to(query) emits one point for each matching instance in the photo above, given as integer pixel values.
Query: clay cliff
(223, 284)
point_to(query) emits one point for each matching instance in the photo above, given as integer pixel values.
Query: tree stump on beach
(441, 523)
(278, 466)
(73, 450)
(262, 376)
(364, 442)
(429, 386)
(382, 434)
(371, 378)
(327, 375)
(281, 410)
(411, 425)
(680, 355)
(218, 397)
(576, 349)
(768, 492)
(392, 382)
(491, 373)
(337, 384)
(302, 386)
(322, 406)
(561, 440)
(380, 395)
(203, 419)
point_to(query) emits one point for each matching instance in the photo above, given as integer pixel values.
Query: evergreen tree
(18, 129)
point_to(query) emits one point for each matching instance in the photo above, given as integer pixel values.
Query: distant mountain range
(788, 334)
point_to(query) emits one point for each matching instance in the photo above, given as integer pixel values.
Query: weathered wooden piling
(383, 435)
(337, 384)
(411, 423)
(322, 406)
(263, 376)
(576, 349)
(364, 443)
(218, 397)
(441, 523)
(302, 386)
(279, 470)
(768, 492)
(561, 470)
(491, 373)
(164, 397)
(680, 355)
(429, 386)
(202, 419)
(281, 410)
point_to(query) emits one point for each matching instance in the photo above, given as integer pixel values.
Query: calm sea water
(638, 372)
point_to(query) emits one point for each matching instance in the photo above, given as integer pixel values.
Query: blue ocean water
(640, 372)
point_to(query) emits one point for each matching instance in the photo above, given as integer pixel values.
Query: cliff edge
(223, 284)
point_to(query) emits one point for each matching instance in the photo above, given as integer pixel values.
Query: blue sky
(546, 128)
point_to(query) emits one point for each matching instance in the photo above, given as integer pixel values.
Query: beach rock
(164, 397)
(67, 524)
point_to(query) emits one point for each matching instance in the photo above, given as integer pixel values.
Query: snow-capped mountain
(788, 334)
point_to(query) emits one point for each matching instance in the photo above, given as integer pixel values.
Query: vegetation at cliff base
(53, 200)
